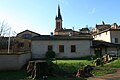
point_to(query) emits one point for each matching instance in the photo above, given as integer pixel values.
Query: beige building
(27, 34)
(63, 46)
(108, 33)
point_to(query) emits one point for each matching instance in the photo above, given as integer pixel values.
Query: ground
(66, 70)
(114, 76)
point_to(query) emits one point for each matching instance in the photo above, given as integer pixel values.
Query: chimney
(51, 34)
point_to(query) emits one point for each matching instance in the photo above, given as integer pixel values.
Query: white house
(63, 46)
(107, 32)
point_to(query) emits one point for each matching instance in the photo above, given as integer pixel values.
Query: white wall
(105, 36)
(39, 48)
(13, 61)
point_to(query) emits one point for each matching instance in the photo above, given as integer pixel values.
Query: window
(73, 48)
(20, 44)
(116, 40)
(50, 48)
(61, 48)
(59, 25)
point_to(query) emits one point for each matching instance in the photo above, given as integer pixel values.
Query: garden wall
(13, 61)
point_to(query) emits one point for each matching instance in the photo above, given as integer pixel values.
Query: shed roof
(102, 44)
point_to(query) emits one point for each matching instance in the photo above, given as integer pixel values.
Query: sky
(39, 15)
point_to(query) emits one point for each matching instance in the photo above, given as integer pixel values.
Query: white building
(107, 32)
(63, 46)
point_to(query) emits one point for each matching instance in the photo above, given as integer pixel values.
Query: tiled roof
(28, 31)
(61, 37)
(100, 43)
(106, 31)
(84, 29)
(103, 26)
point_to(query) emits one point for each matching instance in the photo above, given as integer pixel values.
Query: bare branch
(4, 29)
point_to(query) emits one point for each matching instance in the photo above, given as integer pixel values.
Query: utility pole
(9, 41)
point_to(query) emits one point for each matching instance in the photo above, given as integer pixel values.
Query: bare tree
(4, 29)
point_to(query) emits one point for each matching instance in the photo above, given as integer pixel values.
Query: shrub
(50, 54)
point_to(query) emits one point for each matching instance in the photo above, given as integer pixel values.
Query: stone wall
(13, 61)
(39, 48)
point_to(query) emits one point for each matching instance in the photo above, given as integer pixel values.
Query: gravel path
(115, 76)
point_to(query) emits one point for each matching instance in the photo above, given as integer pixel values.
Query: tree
(4, 29)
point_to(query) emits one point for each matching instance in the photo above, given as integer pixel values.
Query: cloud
(92, 11)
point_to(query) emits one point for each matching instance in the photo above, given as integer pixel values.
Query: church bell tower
(58, 21)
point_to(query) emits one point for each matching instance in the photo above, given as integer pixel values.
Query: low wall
(13, 61)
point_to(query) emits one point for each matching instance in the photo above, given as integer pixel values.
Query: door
(98, 52)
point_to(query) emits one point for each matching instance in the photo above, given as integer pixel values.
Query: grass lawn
(71, 66)
(106, 68)
(12, 75)
(63, 68)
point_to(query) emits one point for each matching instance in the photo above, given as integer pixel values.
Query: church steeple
(58, 20)
(59, 14)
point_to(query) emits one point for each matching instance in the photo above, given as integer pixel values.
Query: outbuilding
(63, 46)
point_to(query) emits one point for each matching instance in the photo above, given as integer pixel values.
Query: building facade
(63, 46)
(107, 32)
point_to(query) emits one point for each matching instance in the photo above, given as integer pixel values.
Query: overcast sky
(39, 15)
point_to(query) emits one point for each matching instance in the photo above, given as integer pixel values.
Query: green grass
(106, 68)
(71, 66)
(12, 75)
(63, 68)
(113, 64)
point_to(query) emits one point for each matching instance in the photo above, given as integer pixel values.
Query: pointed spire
(59, 14)
(103, 22)
(59, 10)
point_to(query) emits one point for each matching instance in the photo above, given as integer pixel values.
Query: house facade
(106, 39)
(27, 34)
(63, 46)
(108, 33)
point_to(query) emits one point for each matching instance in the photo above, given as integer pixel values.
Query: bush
(50, 54)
